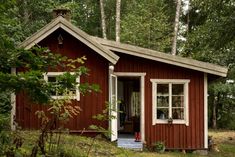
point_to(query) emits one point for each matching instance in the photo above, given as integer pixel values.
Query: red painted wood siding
(175, 136)
(91, 104)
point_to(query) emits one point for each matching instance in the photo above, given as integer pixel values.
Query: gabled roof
(60, 22)
(163, 57)
(105, 48)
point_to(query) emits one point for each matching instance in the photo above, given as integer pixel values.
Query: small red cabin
(163, 96)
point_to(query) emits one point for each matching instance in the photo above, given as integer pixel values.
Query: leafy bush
(5, 107)
(159, 147)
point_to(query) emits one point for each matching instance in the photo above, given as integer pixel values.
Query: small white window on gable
(170, 101)
(70, 93)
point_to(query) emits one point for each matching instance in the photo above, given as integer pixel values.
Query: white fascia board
(60, 22)
(163, 57)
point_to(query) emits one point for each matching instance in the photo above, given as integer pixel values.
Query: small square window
(58, 93)
(170, 101)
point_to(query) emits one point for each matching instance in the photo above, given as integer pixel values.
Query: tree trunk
(214, 113)
(103, 22)
(176, 27)
(118, 12)
(25, 12)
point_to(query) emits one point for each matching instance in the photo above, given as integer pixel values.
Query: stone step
(129, 144)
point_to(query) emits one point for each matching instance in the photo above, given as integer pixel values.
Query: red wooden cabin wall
(176, 136)
(91, 104)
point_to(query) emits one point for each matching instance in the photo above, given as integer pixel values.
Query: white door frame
(142, 100)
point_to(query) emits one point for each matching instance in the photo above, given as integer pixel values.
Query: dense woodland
(206, 32)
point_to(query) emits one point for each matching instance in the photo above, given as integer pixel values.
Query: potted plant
(159, 147)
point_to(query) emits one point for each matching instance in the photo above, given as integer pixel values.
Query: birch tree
(176, 27)
(118, 12)
(103, 21)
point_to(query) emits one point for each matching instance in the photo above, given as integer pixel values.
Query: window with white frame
(170, 101)
(72, 93)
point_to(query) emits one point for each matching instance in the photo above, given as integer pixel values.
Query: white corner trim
(186, 89)
(142, 107)
(154, 112)
(13, 104)
(77, 97)
(142, 101)
(205, 111)
(186, 97)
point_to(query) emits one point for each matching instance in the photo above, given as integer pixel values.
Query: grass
(79, 146)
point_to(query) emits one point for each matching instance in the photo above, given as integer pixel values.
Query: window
(72, 93)
(170, 101)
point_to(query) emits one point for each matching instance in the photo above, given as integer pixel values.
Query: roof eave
(165, 58)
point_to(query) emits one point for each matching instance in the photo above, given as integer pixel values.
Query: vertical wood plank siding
(176, 136)
(91, 104)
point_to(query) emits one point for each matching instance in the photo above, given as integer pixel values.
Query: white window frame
(185, 82)
(54, 74)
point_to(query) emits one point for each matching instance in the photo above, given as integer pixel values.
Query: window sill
(165, 121)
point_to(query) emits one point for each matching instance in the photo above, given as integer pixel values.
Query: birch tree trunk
(103, 21)
(118, 12)
(25, 12)
(176, 28)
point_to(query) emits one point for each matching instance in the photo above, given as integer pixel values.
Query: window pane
(72, 92)
(177, 89)
(177, 101)
(162, 113)
(178, 113)
(162, 101)
(162, 89)
(51, 79)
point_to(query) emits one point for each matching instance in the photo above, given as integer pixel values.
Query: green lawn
(78, 146)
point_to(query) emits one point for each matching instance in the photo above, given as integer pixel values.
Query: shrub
(159, 147)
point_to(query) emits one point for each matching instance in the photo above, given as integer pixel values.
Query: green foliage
(159, 147)
(85, 14)
(211, 38)
(5, 104)
(5, 107)
(148, 24)
(223, 95)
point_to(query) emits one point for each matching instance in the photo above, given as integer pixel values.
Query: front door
(113, 106)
